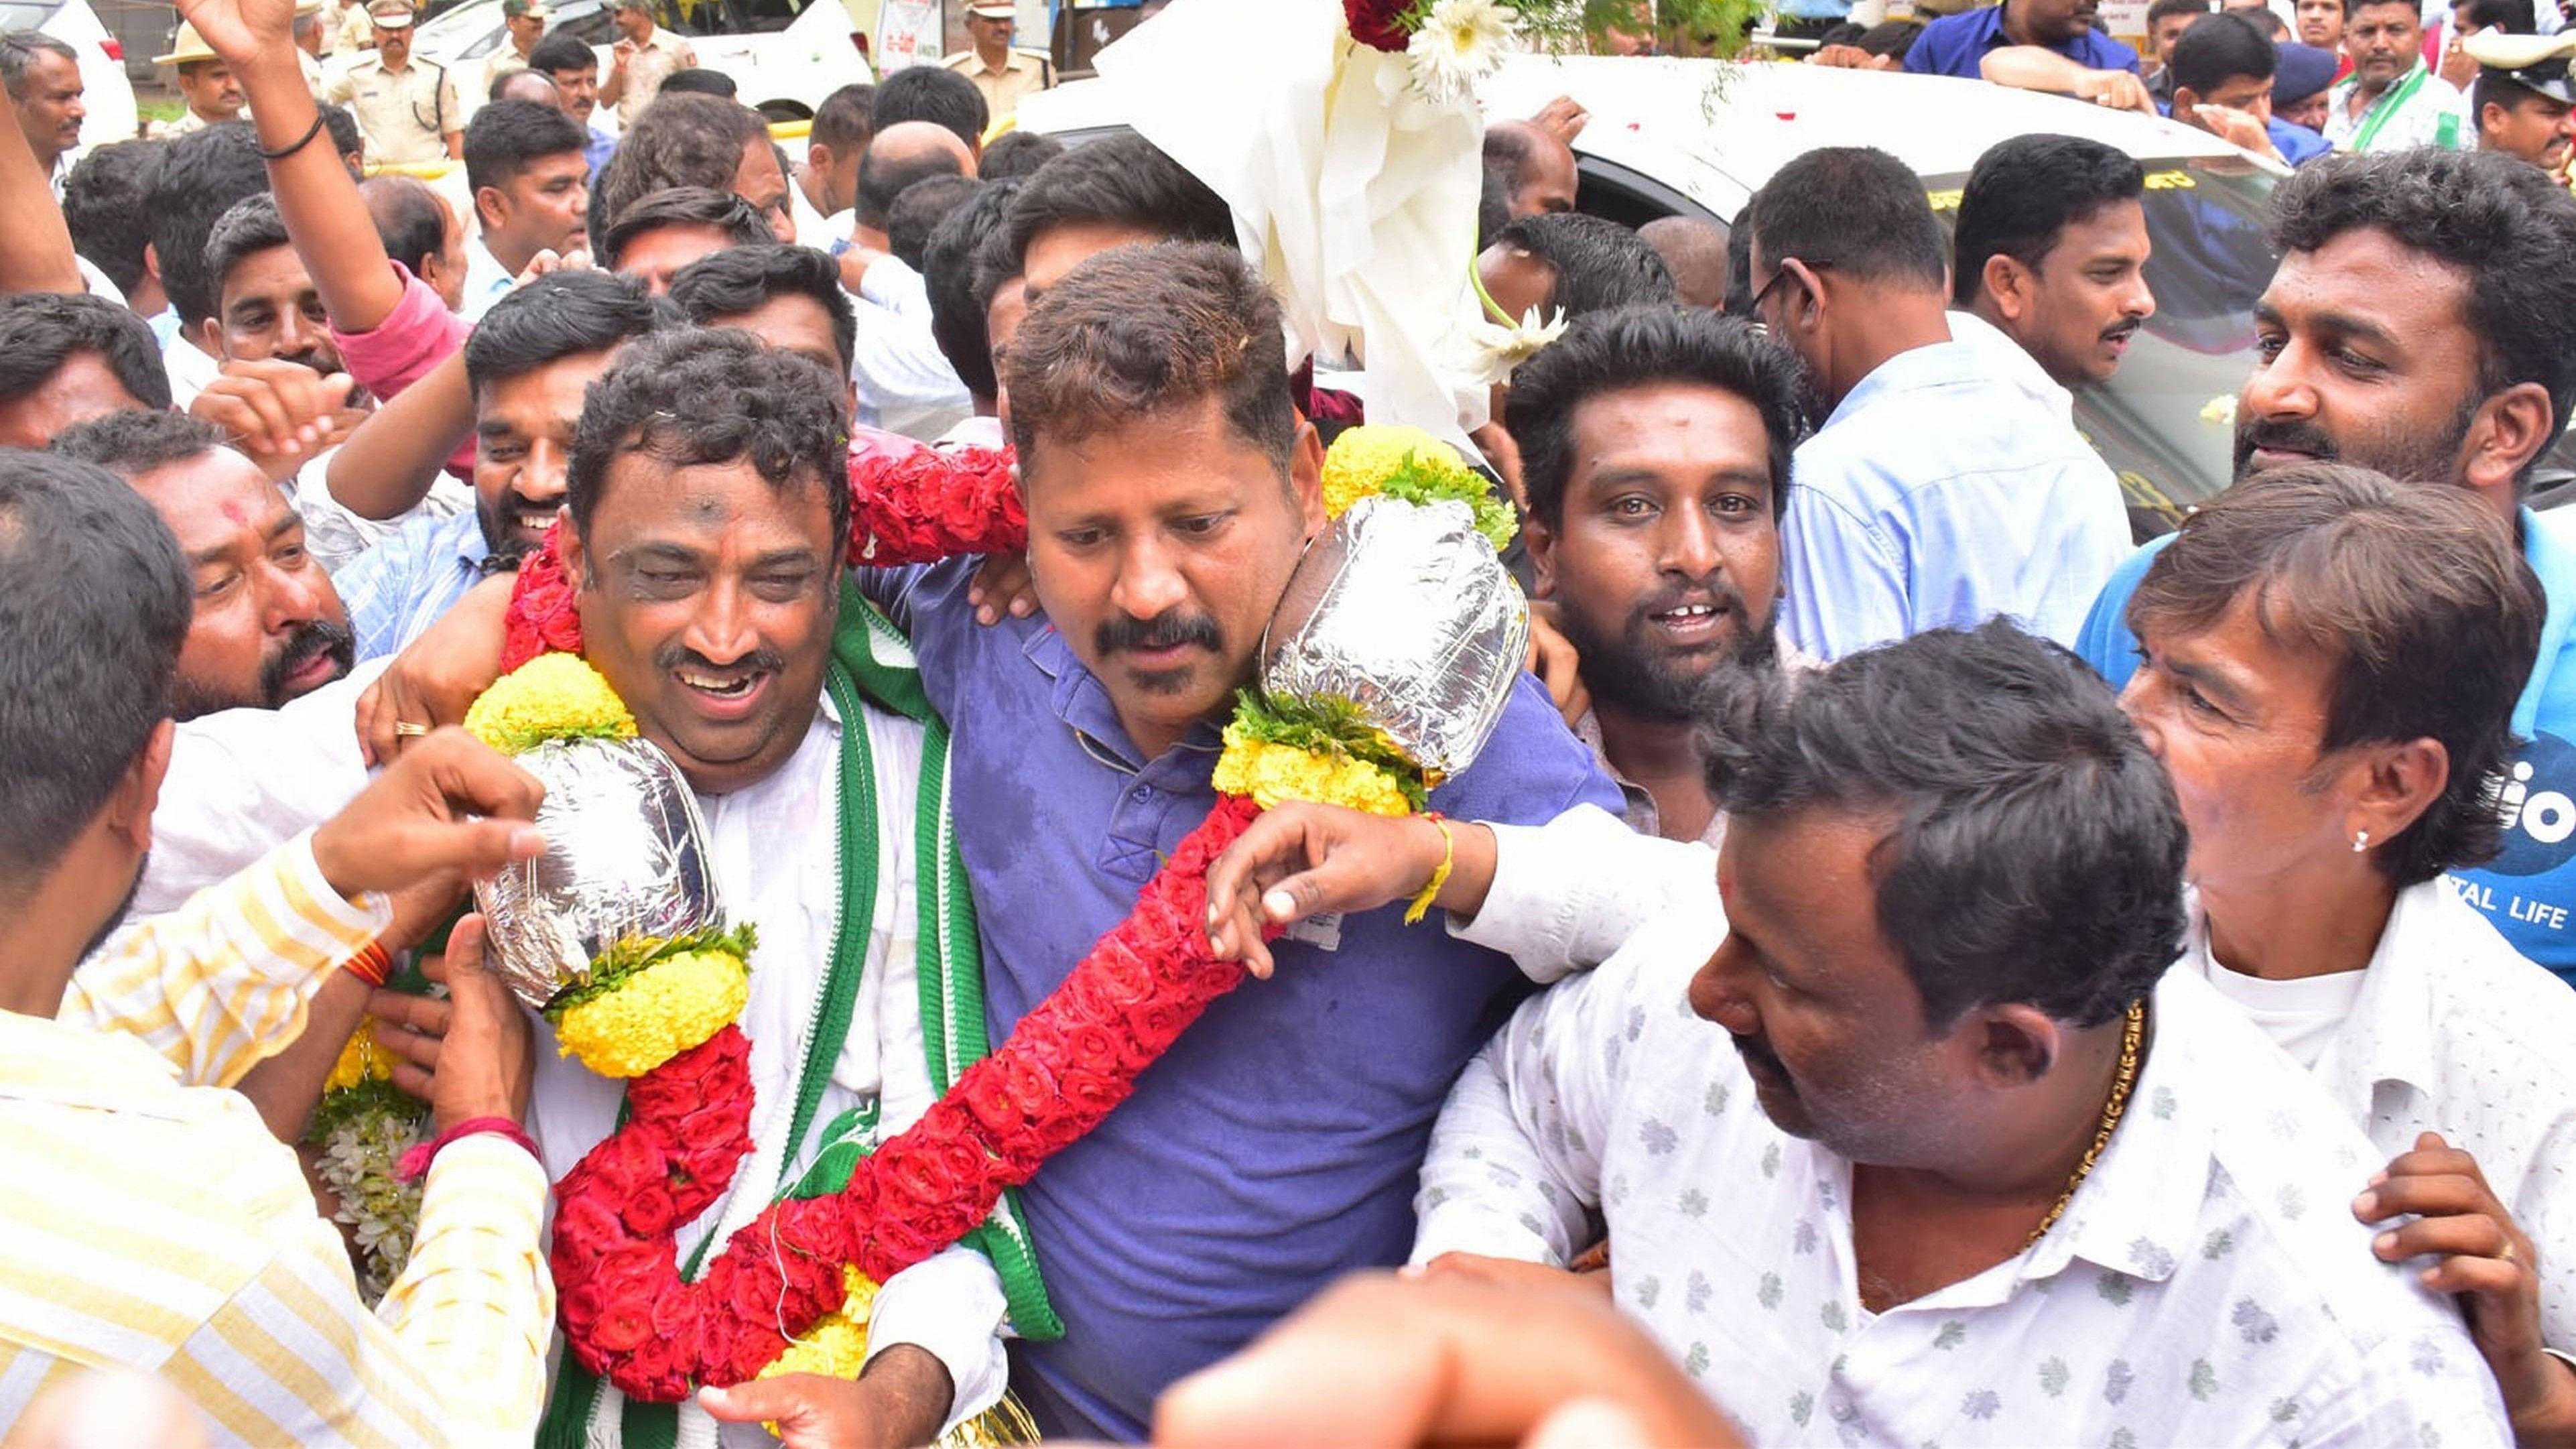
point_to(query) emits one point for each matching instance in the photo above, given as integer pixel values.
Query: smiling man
(2524, 102)
(2051, 250)
(2392, 100)
(266, 625)
(1655, 448)
(2406, 332)
(527, 366)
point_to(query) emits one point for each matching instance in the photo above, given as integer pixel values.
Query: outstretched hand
(1299, 860)
(452, 808)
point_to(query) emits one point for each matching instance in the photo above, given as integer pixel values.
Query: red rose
(1090, 1046)
(623, 1328)
(585, 1224)
(1157, 1024)
(1373, 23)
(648, 1211)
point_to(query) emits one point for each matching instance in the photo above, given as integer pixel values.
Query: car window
(595, 28)
(22, 15)
(762, 15)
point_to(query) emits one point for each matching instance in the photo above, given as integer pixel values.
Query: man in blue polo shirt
(1958, 44)
(2407, 332)
(1170, 487)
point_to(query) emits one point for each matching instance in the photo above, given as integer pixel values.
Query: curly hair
(2482, 213)
(2037, 852)
(697, 396)
(1606, 352)
(2426, 609)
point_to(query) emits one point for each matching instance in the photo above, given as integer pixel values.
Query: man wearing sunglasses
(1936, 491)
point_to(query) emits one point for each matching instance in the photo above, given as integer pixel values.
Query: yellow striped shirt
(160, 1226)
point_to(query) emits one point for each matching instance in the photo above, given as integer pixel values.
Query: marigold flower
(1270, 773)
(551, 697)
(654, 1015)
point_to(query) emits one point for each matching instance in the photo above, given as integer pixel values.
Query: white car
(105, 92)
(1675, 137)
(784, 56)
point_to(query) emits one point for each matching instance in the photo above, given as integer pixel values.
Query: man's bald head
(898, 156)
(1695, 251)
(1537, 169)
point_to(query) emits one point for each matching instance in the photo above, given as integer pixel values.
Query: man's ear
(2006, 281)
(152, 261)
(568, 542)
(488, 205)
(2511, 428)
(2015, 1044)
(210, 335)
(1541, 543)
(1306, 477)
(130, 809)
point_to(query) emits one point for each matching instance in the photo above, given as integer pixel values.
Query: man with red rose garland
(707, 505)
(1170, 488)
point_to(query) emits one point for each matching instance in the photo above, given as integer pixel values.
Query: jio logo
(2538, 812)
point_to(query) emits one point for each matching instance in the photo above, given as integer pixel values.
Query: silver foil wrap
(626, 855)
(1404, 611)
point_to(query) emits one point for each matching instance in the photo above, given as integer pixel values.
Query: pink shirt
(418, 335)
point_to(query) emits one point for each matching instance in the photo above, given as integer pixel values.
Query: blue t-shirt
(1280, 1143)
(2528, 892)
(1954, 44)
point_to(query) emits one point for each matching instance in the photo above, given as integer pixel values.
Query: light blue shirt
(1941, 493)
(399, 588)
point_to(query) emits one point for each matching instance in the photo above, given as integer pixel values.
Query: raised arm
(324, 214)
(387, 466)
(35, 247)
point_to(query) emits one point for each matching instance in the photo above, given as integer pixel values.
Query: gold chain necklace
(2132, 1036)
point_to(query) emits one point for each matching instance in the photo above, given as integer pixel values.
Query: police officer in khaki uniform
(1001, 72)
(407, 108)
(644, 56)
(2524, 98)
(205, 83)
(526, 23)
(312, 40)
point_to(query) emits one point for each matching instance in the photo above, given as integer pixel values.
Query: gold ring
(405, 729)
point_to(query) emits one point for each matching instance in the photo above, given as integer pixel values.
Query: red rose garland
(627, 1314)
(1380, 24)
(630, 1319)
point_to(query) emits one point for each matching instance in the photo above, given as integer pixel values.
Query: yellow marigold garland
(1411, 466)
(653, 1014)
(551, 697)
(1271, 772)
(360, 1061)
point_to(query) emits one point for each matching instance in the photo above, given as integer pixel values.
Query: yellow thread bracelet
(1448, 857)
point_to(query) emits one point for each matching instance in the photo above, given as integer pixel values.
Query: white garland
(357, 1163)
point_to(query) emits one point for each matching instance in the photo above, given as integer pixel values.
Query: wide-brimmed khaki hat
(997, 10)
(185, 47)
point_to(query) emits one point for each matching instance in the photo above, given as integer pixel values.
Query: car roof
(1717, 130)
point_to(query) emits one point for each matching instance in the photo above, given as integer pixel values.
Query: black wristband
(299, 144)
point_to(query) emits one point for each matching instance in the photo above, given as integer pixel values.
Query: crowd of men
(1916, 966)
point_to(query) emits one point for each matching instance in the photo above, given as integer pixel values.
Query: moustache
(1163, 631)
(320, 639)
(1716, 591)
(2282, 437)
(762, 660)
(2122, 330)
(1758, 1054)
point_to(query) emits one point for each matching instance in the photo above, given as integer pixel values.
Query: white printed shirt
(2207, 1285)
(2456, 1032)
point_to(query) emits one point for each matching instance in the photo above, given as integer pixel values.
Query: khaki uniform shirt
(645, 71)
(1028, 70)
(312, 71)
(499, 63)
(406, 115)
(189, 123)
(357, 29)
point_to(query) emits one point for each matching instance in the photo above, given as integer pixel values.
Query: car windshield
(25, 15)
(2166, 421)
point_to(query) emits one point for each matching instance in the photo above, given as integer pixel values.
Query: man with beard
(2407, 332)
(2392, 100)
(525, 367)
(1938, 491)
(1655, 447)
(2051, 251)
(2523, 100)
(267, 626)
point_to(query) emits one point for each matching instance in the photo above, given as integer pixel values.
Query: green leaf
(1328, 726)
(635, 953)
